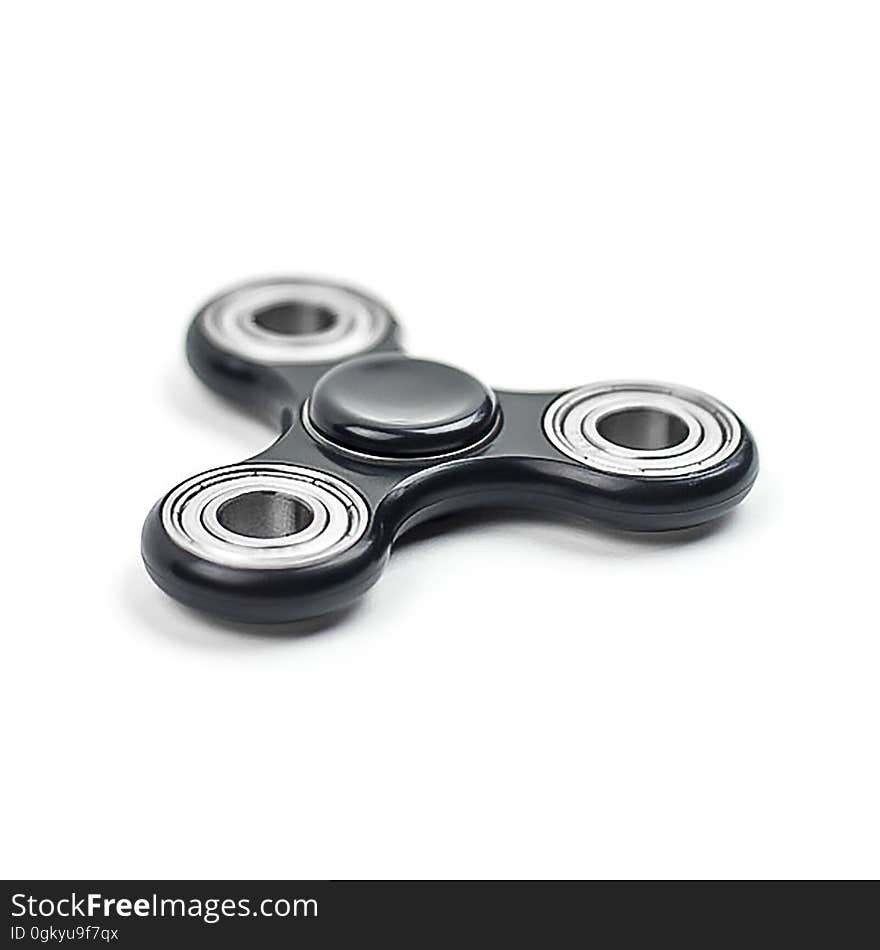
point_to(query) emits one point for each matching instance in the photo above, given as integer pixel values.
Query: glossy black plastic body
(515, 467)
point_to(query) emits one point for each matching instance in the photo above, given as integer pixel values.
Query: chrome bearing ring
(645, 429)
(294, 321)
(268, 515)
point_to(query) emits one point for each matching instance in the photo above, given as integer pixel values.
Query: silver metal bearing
(653, 430)
(265, 515)
(294, 321)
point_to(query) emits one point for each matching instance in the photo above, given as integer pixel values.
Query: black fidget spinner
(374, 442)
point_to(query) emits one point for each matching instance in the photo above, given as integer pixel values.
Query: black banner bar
(135, 914)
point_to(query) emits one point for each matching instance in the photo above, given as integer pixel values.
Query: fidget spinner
(374, 442)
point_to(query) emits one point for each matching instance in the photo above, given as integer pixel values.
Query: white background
(547, 194)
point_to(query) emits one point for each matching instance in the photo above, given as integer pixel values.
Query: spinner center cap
(391, 405)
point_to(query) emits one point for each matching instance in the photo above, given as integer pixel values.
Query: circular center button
(392, 405)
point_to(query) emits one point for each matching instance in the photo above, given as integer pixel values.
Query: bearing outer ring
(713, 431)
(340, 516)
(229, 321)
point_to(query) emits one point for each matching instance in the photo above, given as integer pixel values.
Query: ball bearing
(651, 430)
(265, 515)
(294, 321)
